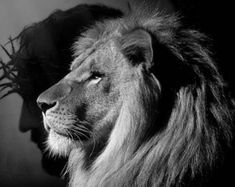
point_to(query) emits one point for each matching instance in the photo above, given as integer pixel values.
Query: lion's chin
(59, 145)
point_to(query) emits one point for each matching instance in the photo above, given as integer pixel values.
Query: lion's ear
(137, 47)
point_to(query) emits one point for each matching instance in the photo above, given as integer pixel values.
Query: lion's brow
(81, 58)
(82, 55)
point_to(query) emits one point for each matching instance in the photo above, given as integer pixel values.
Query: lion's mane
(175, 126)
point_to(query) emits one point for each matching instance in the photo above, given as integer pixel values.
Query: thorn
(5, 86)
(12, 45)
(8, 93)
(5, 50)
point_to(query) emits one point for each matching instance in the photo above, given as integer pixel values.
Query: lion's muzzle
(52, 96)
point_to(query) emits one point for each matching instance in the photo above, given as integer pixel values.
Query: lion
(142, 105)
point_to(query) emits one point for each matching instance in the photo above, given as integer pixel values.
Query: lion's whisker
(81, 128)
(79, 132)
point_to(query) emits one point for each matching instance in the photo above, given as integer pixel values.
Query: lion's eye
(95, 77)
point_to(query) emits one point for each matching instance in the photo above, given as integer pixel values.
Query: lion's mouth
(72, 131)
(60, 133)
(71, 134)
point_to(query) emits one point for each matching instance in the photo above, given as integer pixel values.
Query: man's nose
(30, 117)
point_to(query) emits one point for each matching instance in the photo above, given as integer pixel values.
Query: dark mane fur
(182, 116)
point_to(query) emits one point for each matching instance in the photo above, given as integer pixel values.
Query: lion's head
(143, 105)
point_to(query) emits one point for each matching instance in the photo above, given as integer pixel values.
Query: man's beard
(52, 165)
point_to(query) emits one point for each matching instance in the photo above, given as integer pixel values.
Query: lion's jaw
(57, 143)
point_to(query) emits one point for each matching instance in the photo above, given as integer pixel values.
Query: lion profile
(143, 105)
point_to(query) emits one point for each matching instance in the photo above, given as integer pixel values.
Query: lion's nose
(53, 95)
(45, 105)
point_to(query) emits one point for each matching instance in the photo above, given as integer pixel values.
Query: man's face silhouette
(30, 120)
(42, 61)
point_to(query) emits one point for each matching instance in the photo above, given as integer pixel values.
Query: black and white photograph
(117, 93)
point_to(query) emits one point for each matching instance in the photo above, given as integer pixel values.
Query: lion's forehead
(106, 56)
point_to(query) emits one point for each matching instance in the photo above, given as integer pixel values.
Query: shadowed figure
(43, 58)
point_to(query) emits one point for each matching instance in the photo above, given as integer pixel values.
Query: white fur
(59, 145)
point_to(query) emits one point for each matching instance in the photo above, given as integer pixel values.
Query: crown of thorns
(28, 70)
(9, 71)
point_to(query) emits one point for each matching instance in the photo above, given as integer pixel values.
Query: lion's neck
(108, 163)
(155, 164)
(119, 150)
